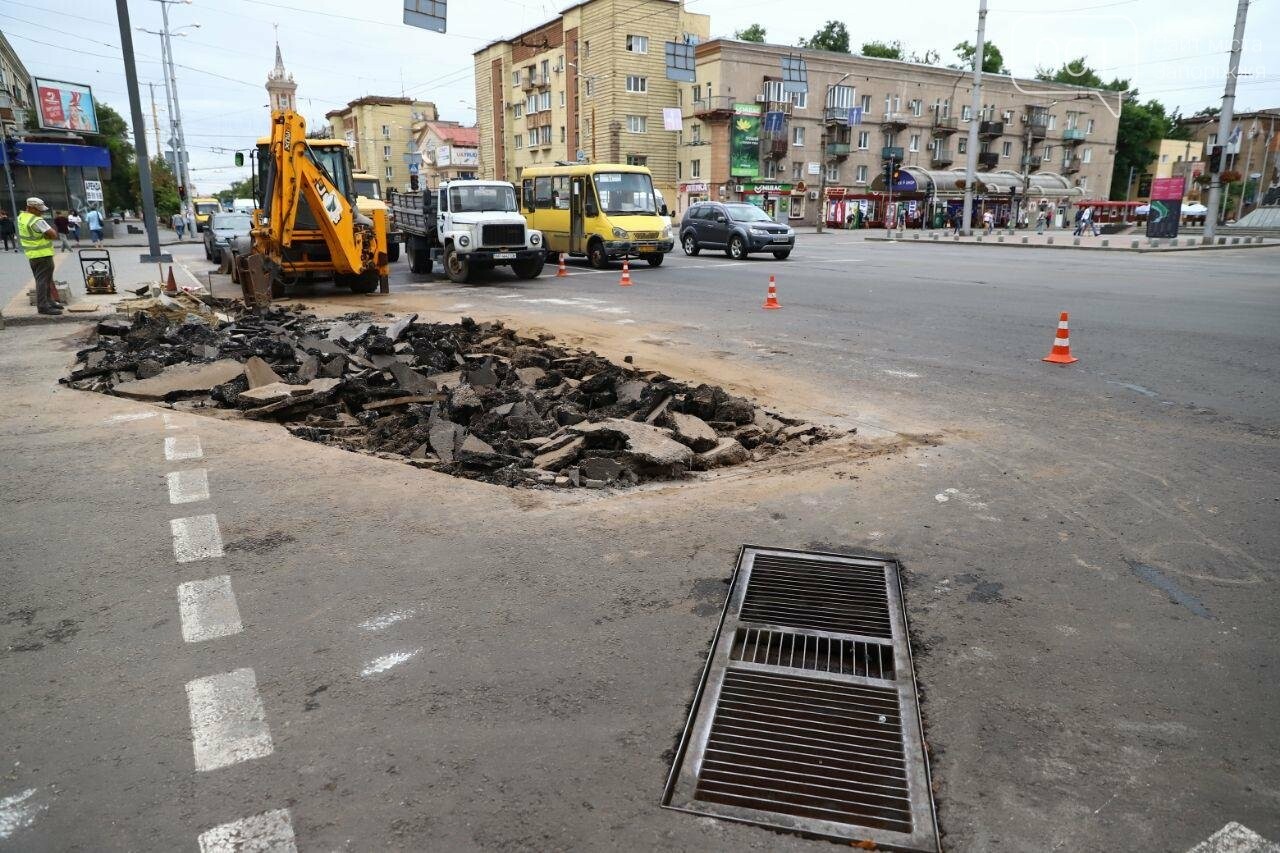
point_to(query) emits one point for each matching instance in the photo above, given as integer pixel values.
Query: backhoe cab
(308, 226)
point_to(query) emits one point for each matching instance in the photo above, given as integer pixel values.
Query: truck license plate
(504, 256)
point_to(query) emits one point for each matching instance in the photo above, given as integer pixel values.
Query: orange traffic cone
(771, 301)
(170, 286)
(626, 273)
(562, 272)
(1061, 352)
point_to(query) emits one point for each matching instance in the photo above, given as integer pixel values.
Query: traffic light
(896, 172)
(239, 158)
(1215, 159)
(413, 182)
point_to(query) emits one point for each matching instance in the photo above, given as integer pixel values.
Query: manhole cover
(806, 718)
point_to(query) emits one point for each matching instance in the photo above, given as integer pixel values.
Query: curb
(1142, 250)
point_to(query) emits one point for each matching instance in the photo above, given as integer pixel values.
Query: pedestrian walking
(36, 237)
(988, 221)
(8, 232)
(179, 223)
(63, 228)
(1041, 218)
(74, 222)
(94, 220)
(1089, 221)
(1079, 222)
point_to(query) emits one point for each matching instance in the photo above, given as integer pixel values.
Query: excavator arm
(297, 172)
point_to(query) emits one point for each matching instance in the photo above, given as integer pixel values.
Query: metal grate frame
(806, 716)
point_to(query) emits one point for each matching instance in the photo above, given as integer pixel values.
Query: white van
(243, 205)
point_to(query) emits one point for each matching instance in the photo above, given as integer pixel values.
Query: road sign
(93, 191)
(413, 168)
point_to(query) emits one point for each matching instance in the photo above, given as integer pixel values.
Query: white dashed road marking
(228, 721)
(391, 617)
(196, 538)
(269, 832)
(179, 447)
(140, 416)
(169, 424)
(208, 609)
(187, 487)
(384, 663)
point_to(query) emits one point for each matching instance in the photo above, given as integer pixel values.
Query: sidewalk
(129, 272)
(1133, 241)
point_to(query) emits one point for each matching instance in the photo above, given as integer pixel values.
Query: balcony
(891, 152)
(988, 159)
(941, 159)
(1071, 166)
(717, 106)
(1038, 120)
(836, 115)
(774, 147)
(528, 82)
(944, 126)
(838, 150)
(990, 129)
(893, 122)
(784, 107)
(1032, 163)
(1073, 136)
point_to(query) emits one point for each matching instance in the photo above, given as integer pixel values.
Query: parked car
(224, 227)
(737, 228)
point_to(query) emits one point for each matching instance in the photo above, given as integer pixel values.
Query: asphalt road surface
(421, 663)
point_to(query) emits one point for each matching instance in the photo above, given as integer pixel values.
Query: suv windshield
(626, 192)
(746, 213)
(482, 199)
(232, 221)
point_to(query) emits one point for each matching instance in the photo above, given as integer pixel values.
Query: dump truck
(309, 226)
(369, 201)
(468, 226)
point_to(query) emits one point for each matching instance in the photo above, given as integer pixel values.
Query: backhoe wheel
(528, 269)
(363, 283)
(456, 266)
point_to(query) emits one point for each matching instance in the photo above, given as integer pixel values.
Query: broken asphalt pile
(475, 400)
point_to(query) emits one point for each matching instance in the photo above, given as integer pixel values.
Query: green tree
(834, 36)
(755, 33)
(239, 189)
(164, 189)
(119, 191)
(883, 49)
(992, 58)
(1076, 72)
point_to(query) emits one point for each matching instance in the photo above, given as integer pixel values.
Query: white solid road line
(179, 447)
(119, 419)
(187, 487)
(228, 721)
(384, 663)
(269, 832)
(208, 609)
(196, 538)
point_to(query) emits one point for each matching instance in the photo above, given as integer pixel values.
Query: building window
(1213, 140)
(1164, 158)
(637, 124)
(1007, 117)
(1087, 157)
(1006, 149)
(866, 105)
(1048, 152)
(637, 160)
(586, 47)
(519, 140)
(1089, 127)
(637, 44)
(695, 133)
(833, 173)
(773, 91)
(697, 92)
(864, 140)
(679, 171)
(562, 97)
(914, 144)
(966, 113)
(386, 131)
(546, 135)
(800, 99)
(1053, 122)
(563, 135)
(1084, 183)
(917, 107)
(797, 136)
(892, 104)
(519, 110)
(962, 145)
(841, 98)
(797, 169)
(389, 173)
(637, 85)
(386, 151)
(695, 168)
(589, 86)
(860, 175)
(545, 101)
(515, 78)
(771, 169)
(890, 139)
(545, 69)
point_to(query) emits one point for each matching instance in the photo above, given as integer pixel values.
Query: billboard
(744, 146)
(1166, 207)
(65, 106)
(452, 156)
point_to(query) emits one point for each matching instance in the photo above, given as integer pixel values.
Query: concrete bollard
(1106, 243)
(1049, 242)
(1248, 240)
(1024, 241)
(1153, 243)
(956, 238)
(1235, 241)
(935, 237)
(1134, 244)
(1075, 241)
(1222, 241)
(1000, 239)
(1173, 242)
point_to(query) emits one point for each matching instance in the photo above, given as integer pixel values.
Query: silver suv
(737, 228)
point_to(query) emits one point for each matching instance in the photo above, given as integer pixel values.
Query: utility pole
(1224, 119)
(971, 152)
(182, 160)
(155, 118)
(139, 138)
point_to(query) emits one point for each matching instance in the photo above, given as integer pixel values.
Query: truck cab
(468, 225)
(370, 202)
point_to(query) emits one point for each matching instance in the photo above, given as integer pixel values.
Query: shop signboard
(744, 154)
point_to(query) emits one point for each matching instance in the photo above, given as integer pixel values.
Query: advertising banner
(1166, 207)
(65, 106)
(466, 157)
(442, 155)
(93, 191)
(744, 156)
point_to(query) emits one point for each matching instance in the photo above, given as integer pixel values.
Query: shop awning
(913, 179)
(55, 154)
(1041, 184)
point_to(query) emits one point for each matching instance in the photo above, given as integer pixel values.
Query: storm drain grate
(806, 718)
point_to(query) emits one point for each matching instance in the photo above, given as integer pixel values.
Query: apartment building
(1172, 158)
(591, 82)
(821, 152)
(1255, 151)
(380, 131)
(449, 151)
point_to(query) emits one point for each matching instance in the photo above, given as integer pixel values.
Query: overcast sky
(1173, 50)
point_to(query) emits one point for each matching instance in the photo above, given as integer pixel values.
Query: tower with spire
(280, 86)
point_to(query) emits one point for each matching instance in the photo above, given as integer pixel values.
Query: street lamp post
(181, 158)
(139, 138)
(822, 156)
(971, 150)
